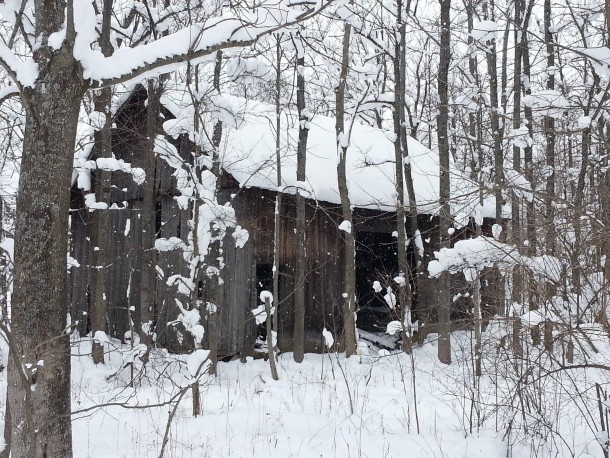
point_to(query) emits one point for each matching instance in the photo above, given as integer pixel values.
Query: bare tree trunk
(578, 192)
(497, 133)
(516, 340)
(604, 216)
(100, 222)
(518, 290)
(299, 296)
(495, 125)
(529, 119)
(349, 247)
(278, 238)
(213, 260)
(444, 296)
(417, 274)
(549, 130)
(101, 218)
(532, 238)
(144, 317)
(475, 139)
(579, 202)
(517, 286)
(403, 171)
(549, 198)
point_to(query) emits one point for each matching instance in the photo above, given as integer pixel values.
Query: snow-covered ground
(329, 406)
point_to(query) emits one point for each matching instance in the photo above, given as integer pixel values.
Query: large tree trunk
(40, 347)
(444, 296)
(4, 314)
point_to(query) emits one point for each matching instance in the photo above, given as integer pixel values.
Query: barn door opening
(264, 282)
(376, 260)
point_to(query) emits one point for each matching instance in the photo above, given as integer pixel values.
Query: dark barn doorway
(376, 260)
(264, 282)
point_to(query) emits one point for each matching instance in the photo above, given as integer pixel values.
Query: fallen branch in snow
(382, 341)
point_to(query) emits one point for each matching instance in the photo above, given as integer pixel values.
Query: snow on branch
(547, 102)
(484, 31)
(472, 255)
(83, 168)
(599, 58)
(23, 73)
(260, 312)
(8, 92)
(112, 164)
(192, 43)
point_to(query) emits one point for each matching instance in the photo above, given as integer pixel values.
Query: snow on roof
(248, 154)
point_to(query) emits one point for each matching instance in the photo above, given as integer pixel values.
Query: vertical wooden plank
(79, 275)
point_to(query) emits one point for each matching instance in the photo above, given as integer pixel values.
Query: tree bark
(144, 316)
(299, 296)
(349, 239)
(549, 130)
(444, 296)
(529, 119)
(100, 224)
(549, 198)
(517, 289)
(4, 316)
(213, 259)
(101, 220)
(474, 128)
(39, 344)
(496, 132)
(532, 238)
(277, 239)
(403, 173)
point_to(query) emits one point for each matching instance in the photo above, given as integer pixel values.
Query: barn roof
(248, 154)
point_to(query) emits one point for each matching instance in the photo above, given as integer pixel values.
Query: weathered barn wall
(78, 274)
(255, 211)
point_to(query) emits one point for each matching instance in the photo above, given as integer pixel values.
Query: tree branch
(195, 49)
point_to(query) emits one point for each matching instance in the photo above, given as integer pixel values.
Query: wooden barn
(248, 184)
